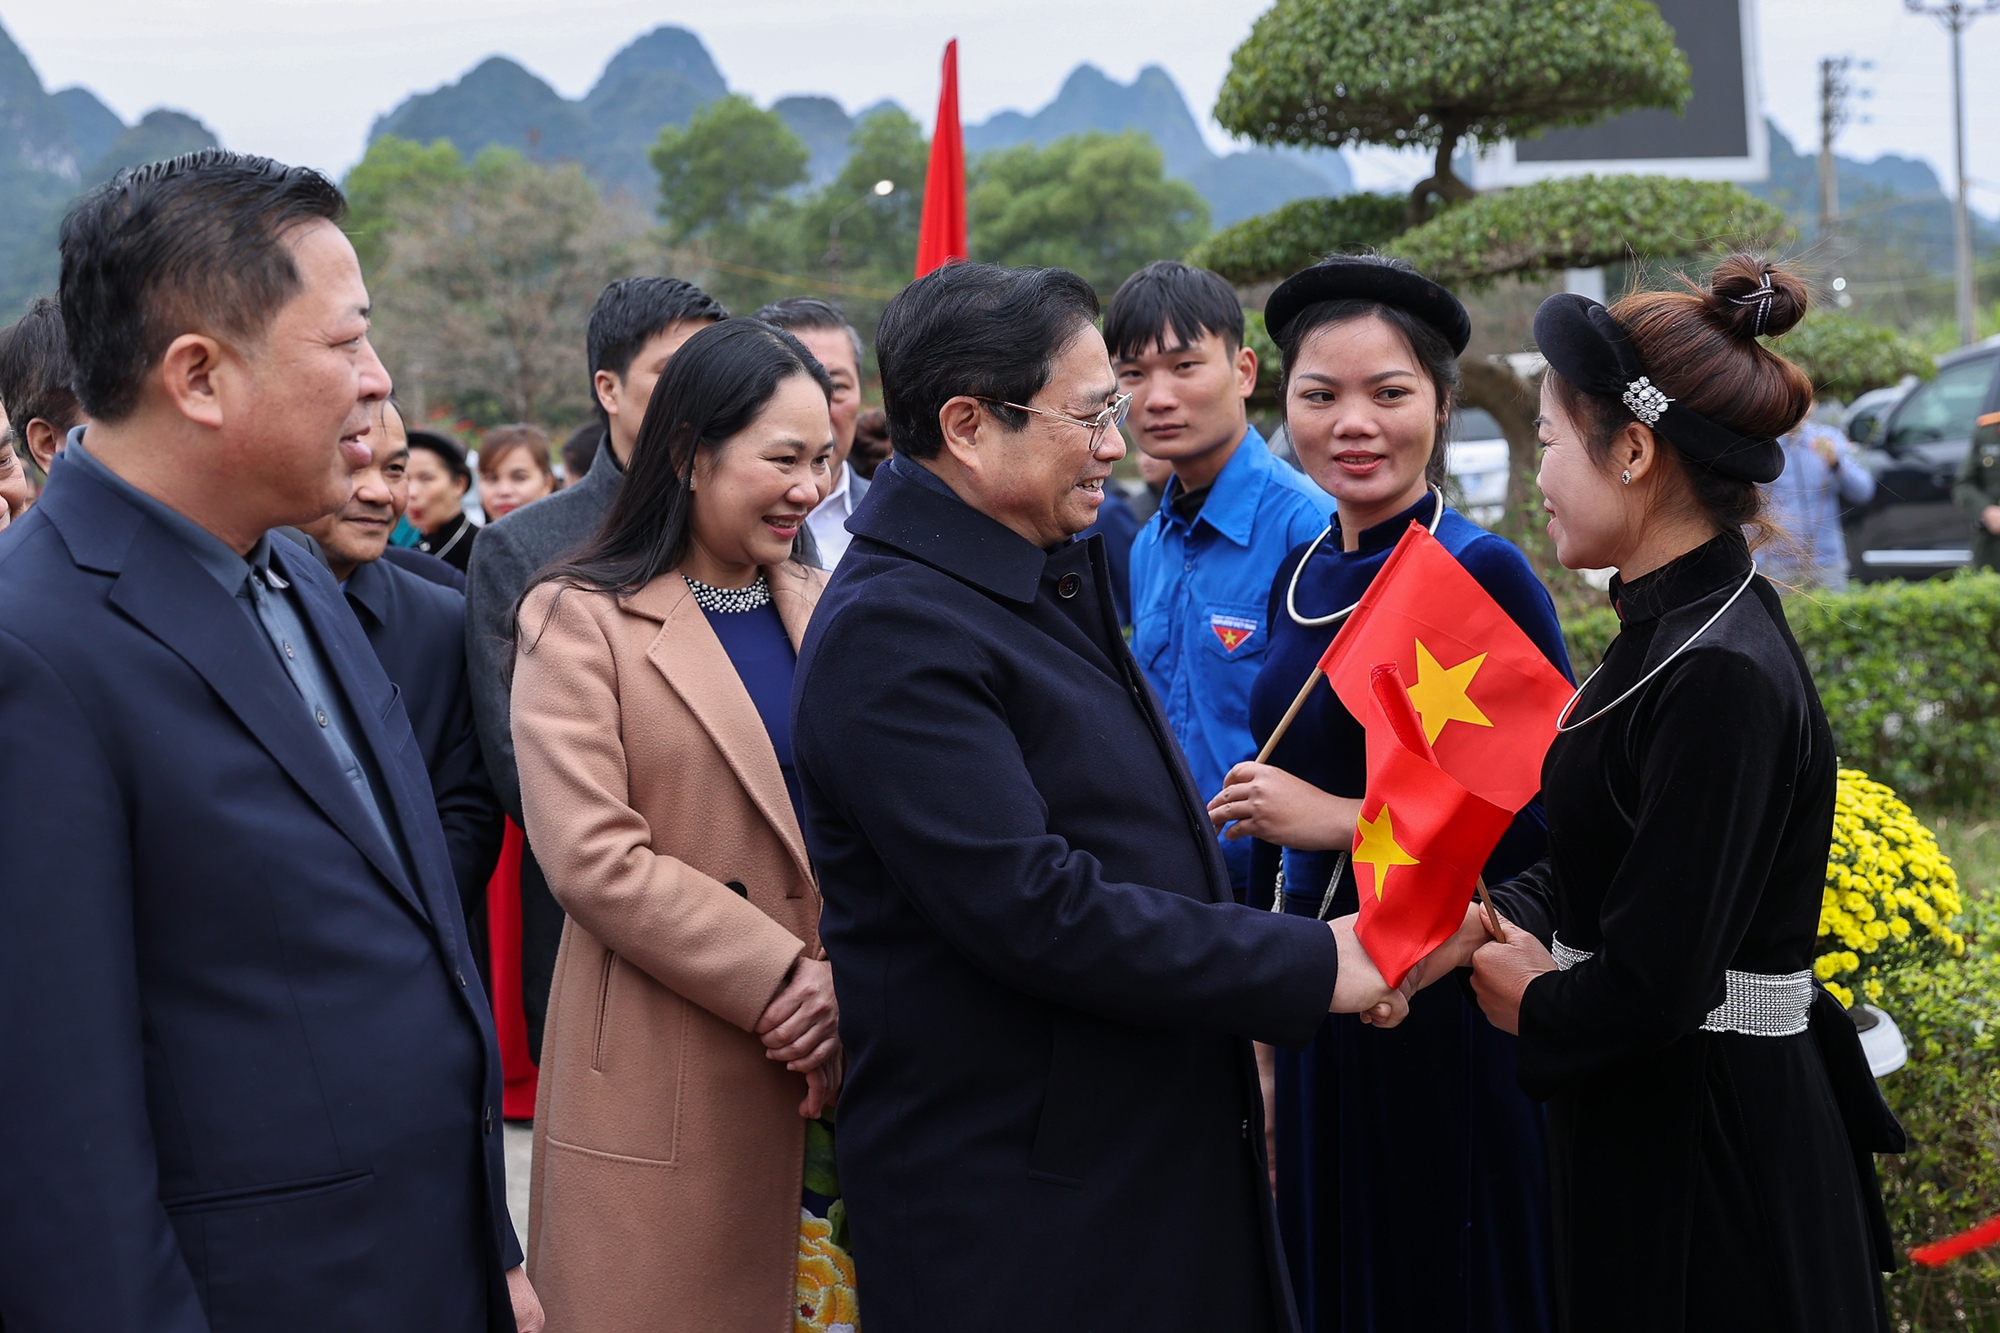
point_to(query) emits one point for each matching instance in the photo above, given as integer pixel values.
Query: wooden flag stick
(1285, 722)
(1492, 913)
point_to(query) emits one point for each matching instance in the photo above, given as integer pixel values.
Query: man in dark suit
(1047, 991)
(415, 621)
(251, 1076)
(635, 328)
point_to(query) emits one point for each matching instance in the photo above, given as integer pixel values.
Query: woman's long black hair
(713, 388)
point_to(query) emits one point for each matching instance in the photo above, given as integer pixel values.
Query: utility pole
(1957, 16)
(1833, 93)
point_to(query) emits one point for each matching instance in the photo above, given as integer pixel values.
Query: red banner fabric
(942, 238)
(503, 958)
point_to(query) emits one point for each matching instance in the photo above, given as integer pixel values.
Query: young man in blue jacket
(1202, 566)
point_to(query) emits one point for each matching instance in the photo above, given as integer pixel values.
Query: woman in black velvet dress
(1710, 1117)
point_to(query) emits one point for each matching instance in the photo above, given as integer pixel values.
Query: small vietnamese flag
(941, 235)
(1487, 697)
(1421, 836)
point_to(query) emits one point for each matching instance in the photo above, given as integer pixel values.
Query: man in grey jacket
(635, 328)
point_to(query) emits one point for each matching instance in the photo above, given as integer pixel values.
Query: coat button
(1246, 1131)
(461, 978)
(1069, 585)
(489, 1120)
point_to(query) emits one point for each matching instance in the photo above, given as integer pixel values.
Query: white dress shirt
(829, 520)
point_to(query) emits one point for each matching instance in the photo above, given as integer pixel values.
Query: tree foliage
(1277, 244)
(1426, 73)
(1846, 357)
(486, 283)
(395, 173)
(731, 159)
(1587, 221)
(1097, 204)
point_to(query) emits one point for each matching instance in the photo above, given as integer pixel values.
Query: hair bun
(1753, 299)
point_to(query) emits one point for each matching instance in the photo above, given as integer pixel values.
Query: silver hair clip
(1646, 400)
(1761, 298)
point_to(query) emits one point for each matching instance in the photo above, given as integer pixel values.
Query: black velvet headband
(1346, 279)
(1591, 350)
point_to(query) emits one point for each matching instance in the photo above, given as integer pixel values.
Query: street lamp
(1957, 16)
(881, 190)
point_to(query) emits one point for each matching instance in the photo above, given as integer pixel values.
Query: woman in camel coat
(691, 1044)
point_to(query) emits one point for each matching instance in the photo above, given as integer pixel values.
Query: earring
(1626, 476)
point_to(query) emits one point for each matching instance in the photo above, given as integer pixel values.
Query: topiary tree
(1274, 245)
(1585, 222)
(1846, 357)
(1428, 73)
(1581, 222)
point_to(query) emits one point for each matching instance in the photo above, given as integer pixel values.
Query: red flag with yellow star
(1487, 698)
(1420, 840)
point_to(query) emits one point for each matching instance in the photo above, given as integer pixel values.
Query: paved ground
(520, 1148)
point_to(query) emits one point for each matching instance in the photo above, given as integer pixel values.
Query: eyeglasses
(1112, 415)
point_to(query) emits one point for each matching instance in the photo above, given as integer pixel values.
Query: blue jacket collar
(1235, 495)
(367, 588)
(913, 511)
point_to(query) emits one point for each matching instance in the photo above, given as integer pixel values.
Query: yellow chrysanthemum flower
(1889, 889)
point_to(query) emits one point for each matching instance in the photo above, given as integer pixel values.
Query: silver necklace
(1292, 591)
(730, 600)
(1564, 724)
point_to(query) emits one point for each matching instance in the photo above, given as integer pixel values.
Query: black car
(1911, 529)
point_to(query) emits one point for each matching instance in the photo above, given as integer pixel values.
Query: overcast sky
(301, 80)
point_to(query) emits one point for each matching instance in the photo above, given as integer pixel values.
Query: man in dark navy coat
(1051, 1118)
(415, 621)
(251, 1078)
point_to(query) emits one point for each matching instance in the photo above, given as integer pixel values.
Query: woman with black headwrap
(1711, 1117)
(1411, 1169)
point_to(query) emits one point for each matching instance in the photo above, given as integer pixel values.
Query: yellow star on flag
(1439, 696)
(1378, 847)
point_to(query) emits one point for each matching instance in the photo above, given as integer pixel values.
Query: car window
(1473, 423)
(1945, 408)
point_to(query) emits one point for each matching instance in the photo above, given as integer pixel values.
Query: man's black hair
(198, 243)
(35, 372)
(1168, 304)
(631, 311)
(977, 330)
(794, 313)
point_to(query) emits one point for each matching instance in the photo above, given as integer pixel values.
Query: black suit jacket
(417, 628)
(1051, 1118)
(251, 1077)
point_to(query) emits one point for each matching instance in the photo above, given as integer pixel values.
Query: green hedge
(1909, 674)
(1948, 1098)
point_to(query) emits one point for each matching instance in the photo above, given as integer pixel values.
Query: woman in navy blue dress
(1411, 1170)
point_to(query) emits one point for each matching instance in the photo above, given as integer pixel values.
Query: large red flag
(1421, 838)
(1488, 698)
(943, 236)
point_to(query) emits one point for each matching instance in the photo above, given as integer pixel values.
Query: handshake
(1503, 961)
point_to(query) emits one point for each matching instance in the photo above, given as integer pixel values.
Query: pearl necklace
(730, 601)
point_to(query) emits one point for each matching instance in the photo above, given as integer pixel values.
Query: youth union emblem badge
(1232, 630)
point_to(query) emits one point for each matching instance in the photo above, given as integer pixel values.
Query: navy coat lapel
(397, 756)
(162, 589)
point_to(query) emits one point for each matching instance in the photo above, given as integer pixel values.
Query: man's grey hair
(794, 313)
